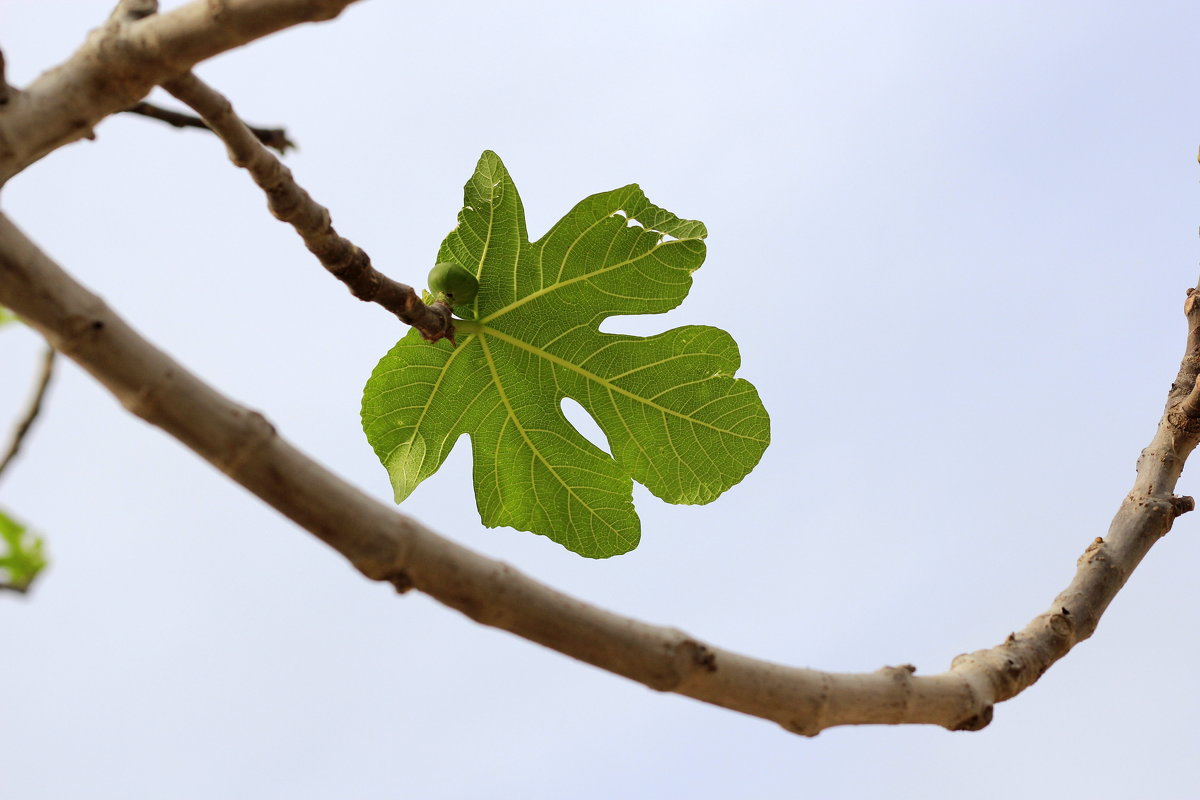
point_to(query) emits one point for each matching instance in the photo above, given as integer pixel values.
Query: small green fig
(454, 282)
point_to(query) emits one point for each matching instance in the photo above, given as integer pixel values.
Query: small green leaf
(6, 316)
(21, 556)
(675, 417)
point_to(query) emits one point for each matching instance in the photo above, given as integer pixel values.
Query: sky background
(952, 240)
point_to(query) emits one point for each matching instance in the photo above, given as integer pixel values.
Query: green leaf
(22, 556)
(675, 418)
(6, 316)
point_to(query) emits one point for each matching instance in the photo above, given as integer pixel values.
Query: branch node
(1190, 407)
(400, 580)
(1091, 552)
(977, 722)
(703, 657)
(432, 333)
(144, 402)
(1060, 625)
(256, 431)
(133, 10)
(900, 672)
(801, 727)
(1182, 504)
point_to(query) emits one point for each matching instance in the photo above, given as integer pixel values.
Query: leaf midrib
(560, 284)
(512, 414)
(483, 331)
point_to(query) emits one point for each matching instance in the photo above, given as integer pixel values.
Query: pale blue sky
(952, 240)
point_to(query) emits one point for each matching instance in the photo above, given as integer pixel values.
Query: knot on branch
(1093, 551)
(1182, 504)
(133, 10)
(1061, 625)
(687, 656)
(400, 580)
(1158, 511)
(81, 331)
(901, 672)
(1189, 408)
(436, 324)
(253, 432)
(977, 722)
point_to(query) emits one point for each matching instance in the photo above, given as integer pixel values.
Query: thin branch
(274, 138)
(128, 56)
(389, 546)
(292, 204)
(25, 423)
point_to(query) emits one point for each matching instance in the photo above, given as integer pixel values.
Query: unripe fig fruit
(454, 281)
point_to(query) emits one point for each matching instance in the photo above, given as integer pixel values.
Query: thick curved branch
(121, 61)
(389, 546)
(290, 203)
(25, 423)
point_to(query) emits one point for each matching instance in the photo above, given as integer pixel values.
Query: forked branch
(389, 546)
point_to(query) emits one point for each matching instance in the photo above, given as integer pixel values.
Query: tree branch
(274, 138)
(291, 204)
(31, 410)
(389, 546)
(125, 58)
(4, 88)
